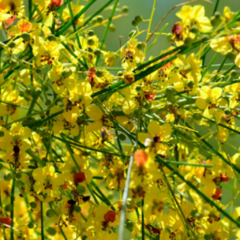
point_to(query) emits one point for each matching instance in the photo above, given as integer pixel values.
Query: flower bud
(125, 9)
(215, 21)
(141, 45)
(227, 111)
(194, 29)
(138, 19)
(99, 18)
(90, 41)
(132, 33)
(191, 84)
(134, 23)
(122, 137)
(234, 73)
(129, 225)
(51, 231)
(147, 105)
(78, 209)
(119, 73)
(94, 20)
(169, 37)
(25, 36)
(48, 102)
(91, 33)
(217, 14)
(90, 49)
(30, 225)
(112, 27)
(33, 205)
(51, 37)
(99, 73)
(8, 208)
(66, 72)
(197, 116)
(138, 88)
(50, 213)
(81, 189)
(97, 52)
(12, 45)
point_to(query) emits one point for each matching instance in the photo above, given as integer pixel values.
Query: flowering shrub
(102, 145)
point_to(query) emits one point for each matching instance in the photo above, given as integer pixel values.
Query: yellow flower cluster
(89, 153)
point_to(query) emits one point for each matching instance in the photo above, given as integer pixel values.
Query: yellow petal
(154, 128)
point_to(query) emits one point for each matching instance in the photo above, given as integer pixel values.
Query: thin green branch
(107, 28)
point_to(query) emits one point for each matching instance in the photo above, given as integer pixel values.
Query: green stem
(209, 65)
(203, 57)
(75, 29)
(69, 23)
(181, 214)
(92, 193)
(73, 54)
(150, 23)
(143, 224)
(104, 198)
(70, 151)
(12, 205)
(62, 232)
(216, 6)
(220, 67)
(42, 227)
(90, 18)
(107, 28)
(29, 9)
(33, 102)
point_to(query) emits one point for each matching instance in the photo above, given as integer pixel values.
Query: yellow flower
(208, 100)
(156, 137)
(195, 16)
(100, 119)
(47, 181)
(131, 55)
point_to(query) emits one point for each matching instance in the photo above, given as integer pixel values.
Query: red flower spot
(10, 21)
(6, 220)
(56, 3)
(150, 96)
(79, 177)
(64, 186)
(224, 178)
(140, 157)
(176, 29)
(218, 194)
(91, 72)
(110, 216)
